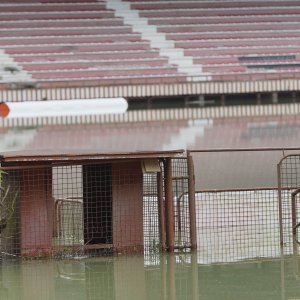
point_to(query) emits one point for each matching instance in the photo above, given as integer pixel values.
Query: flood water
(203, 276)
(161, 277)
(246, 132)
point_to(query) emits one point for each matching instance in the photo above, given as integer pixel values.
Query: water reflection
(244, 132)
(162, 277)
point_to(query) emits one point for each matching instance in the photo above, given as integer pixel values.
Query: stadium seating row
(72, 40)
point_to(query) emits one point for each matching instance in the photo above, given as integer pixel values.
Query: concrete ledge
(167, 86)
(162, 115)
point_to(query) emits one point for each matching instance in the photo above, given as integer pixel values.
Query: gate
(244, 204)
(288, 171)
(295, 217)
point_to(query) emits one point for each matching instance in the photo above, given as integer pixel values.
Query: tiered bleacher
(232, 39)
(74, 42)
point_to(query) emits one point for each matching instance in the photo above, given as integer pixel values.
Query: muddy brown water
(165, 277)
(178, 277)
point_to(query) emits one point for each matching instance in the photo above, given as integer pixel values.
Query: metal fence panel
(288, 179)
(240, 212)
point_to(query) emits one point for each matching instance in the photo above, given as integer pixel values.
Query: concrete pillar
(127, 190)
(201, 100)
(274, 97)
(223, 100)
(36, 211)
(258, 98)
(294, 97)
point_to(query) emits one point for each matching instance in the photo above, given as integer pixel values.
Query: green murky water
(160, 277)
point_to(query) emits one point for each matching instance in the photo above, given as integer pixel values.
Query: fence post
(169, 205)
(161, 211)
(280, 204)
(192, 202)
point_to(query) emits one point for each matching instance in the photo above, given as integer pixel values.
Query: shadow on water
(151, 277)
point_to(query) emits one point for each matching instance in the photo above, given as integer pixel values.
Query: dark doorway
(97, 204)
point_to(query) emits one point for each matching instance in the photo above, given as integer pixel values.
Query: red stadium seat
(62, 40)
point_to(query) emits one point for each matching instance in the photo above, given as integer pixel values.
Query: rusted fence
(289, 178)
(244, 202)
(228, 204)
(67, 206)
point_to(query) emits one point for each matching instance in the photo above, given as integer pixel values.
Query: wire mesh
(181, 204)
(92, 207)
(290, 171)
(67, 190)
(238, 204)
(74, 209)
(289, 179)
(152, 242)
(89, 208)
(297, 221)
(237, 224)
(153, 234)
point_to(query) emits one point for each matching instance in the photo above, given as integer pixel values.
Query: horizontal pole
(243, 150)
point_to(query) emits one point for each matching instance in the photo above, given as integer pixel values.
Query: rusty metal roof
(36, 156)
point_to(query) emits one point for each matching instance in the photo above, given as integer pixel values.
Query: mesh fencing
(238, 209)
(89, 208)
(289, 178)
(181, 204)
(235, 225)
(72, 210)
(152, 239)
(296, 215)
(153, 236)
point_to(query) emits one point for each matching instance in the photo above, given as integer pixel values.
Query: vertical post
(258, 99)
(294, 97)
(294, 220)
(169, 205)
(294, 215)
(161, 211)
(223, 100)
(192, 202)
(274, 96)
(280, 204)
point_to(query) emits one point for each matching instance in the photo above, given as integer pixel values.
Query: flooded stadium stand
(140, 48)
